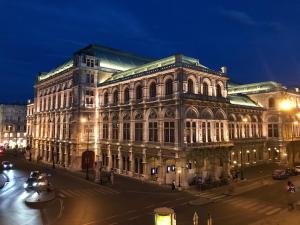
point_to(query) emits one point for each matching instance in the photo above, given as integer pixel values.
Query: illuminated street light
(286, 105)
(296, 122)
(298, 115)
(164, 216)
(179, 172)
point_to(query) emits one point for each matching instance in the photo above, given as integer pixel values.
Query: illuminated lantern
(164, 216)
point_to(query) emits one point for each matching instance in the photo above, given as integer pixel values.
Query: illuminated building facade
(13, 125)
(159, 120)
(281, 118)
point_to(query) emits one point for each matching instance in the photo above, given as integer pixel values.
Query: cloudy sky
(256, 40)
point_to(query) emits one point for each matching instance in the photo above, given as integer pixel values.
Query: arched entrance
(87, 159)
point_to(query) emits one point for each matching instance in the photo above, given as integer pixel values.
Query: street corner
(39, 199)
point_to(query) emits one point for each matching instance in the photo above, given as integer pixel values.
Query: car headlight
(10, 165)
(4, 166)
(25, 185)
(34, 184)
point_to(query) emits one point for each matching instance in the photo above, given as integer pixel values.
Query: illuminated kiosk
(164, 216)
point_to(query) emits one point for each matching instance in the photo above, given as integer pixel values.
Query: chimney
(224, 69)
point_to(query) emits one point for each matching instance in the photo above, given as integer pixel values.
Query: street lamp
(245, 120)
(86, 120)
(286, 105)
(179, 172)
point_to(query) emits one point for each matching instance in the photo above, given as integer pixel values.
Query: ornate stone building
(13, 125)
(159, 120)
(281, 118)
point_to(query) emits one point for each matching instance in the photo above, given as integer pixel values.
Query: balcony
(210, 144)
(204, 97)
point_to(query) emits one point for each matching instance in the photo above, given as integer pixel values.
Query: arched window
(106, 99)
(126, 95)
(115, 127)
(152, 126)
(205, 89)
(169, 87)
(116, 97)
(169, 127)
(219, 90)
(271, 102)
(126, 127)
(153, 90)
(139, 92)
(138, 127)
(190, 86)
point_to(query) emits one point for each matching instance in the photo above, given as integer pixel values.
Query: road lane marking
(273, 211)
(218, 197)
(133, 218)
(149, 206)
(266, 209)
(250, 205)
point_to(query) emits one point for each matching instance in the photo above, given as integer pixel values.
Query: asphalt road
(128, 201)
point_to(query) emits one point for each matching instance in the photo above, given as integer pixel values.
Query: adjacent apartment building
(154, 119)
(12, 125)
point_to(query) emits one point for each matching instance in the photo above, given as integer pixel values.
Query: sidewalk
(284, 218)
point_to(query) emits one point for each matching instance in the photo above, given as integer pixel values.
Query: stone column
(109, 166)
(131, 171)
(120, 159)
(145, 172)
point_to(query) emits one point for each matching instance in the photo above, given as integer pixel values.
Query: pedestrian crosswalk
(86, 192)
(212, 196)
(255, 205)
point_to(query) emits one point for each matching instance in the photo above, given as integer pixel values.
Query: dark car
(7, 165)
(280, 174)
(31, 183)
(34, 174)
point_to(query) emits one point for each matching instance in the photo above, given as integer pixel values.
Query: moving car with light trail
(31, 183)
(7, 165)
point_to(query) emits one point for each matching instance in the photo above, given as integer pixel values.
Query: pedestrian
(173, 185)
(290, 194)
(112, 176)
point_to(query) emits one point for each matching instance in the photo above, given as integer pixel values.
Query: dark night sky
(257, 40)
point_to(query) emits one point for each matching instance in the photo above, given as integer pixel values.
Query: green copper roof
(254, 87)
(57, 70)
(242, 100)
(114, 59)
(154, 65)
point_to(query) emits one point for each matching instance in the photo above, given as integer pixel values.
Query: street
(128, 201)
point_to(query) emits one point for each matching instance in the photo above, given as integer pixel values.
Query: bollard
(164, 216)
(209, 220)
(196, 219)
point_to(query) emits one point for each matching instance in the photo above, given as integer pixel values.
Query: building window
(153, 90)
(217, 131)
(169, 87)
(139, 92)
(126, 131)
(203, 132)
(115, 130)
(231, 130)
(190, 86)
(271, 102)
(138, 131)
(253, 128)
(247, 130)
(153, 132)
(208, 132)
(219, 90)
(273, 130)
(105, 130)
(126, 95)
(205, 89)
(106, 99)
(116, 97)
(169, 132)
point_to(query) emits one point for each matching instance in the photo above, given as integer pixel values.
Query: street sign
(196, 219)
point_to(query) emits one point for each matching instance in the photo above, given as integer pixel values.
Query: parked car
(7, 165)
(279, 174)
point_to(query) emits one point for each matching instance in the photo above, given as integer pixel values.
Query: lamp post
(84, 120)
(179, 172)
(245, 120)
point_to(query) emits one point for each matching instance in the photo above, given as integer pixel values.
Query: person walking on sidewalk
(112, 176)
(173, 185)
(290, 194)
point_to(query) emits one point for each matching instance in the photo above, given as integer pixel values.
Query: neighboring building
(12, 125)
(281, 118)
(159, 120)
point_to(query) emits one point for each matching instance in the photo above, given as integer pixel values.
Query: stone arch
(220, 115)
(207, 113)
(151, 111)
(192, 113)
